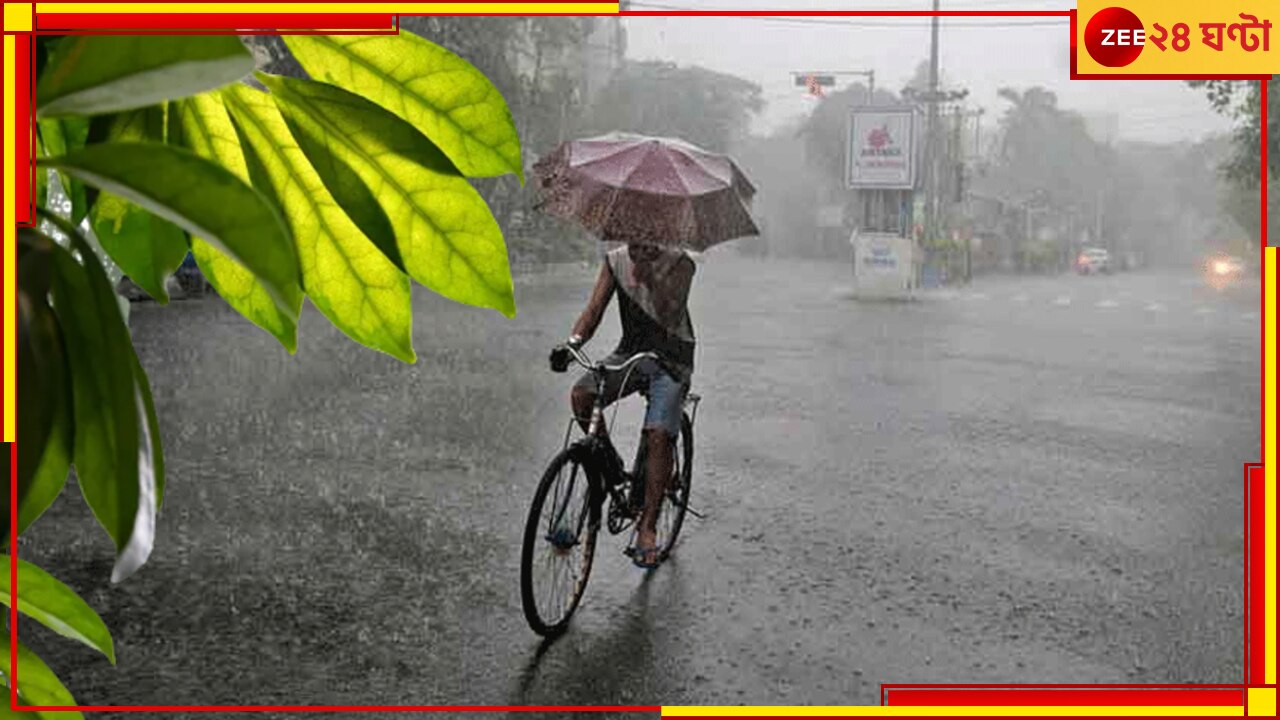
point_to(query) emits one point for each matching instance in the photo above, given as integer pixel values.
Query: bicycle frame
(606, 472)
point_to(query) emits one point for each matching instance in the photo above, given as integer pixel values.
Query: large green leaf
(147, 248)
(44, 426)
(353, 284)
(378, 166)
(94, 74)
(46, 600)
(203, 198)
(149, 431)
(439, 93)
(50, 475)
(111, 450)
(201, 124)
(37, 685)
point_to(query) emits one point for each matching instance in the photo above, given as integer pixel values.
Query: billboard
(881, 148)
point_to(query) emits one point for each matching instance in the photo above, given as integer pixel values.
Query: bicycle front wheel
(559, 544)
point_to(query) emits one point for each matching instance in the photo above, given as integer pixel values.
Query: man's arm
(599, 302)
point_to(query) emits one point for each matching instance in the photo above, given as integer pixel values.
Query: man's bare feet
(645, 552)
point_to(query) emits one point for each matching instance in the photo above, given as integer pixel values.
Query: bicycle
(565, 539)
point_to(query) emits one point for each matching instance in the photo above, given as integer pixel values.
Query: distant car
(1226, 268)
(1093, 261)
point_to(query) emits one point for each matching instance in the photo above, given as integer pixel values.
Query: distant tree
(1242, 100)
(704, 107)
(1047, 151)
(919, 81)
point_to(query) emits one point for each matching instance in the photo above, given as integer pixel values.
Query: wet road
(1032, 480)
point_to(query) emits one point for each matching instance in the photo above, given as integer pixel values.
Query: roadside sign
(881, 148)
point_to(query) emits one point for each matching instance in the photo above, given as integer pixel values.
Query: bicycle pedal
(694, 513)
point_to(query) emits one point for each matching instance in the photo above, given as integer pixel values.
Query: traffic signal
(819, 80)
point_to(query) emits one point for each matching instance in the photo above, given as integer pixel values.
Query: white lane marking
(1107, 304)
(1062, 301)
(1020, 299)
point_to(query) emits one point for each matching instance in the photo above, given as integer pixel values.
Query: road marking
(1156, 307)
(1020, 299)
(1062, 301)
(1107, 304)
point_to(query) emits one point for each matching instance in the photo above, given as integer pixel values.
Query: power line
(922, 23)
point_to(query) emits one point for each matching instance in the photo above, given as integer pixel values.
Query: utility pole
(1097, 223)
(931, 134)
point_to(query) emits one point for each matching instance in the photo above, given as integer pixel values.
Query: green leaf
(37, 685)
(355, 286)
(46, 600)
(377, 166)
(201, 124)
(439, 93)
(147, 248)
(149, 432)
(42, 174)
(114, 460)
(44, 427)
(95, 74)
(201, 197)
(50, 475)
(60, 135)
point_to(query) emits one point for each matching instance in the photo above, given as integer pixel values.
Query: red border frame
(920, 694)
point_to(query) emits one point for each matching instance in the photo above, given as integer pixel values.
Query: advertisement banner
(881, 148)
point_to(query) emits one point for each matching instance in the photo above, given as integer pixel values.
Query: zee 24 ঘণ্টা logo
(1115, 37)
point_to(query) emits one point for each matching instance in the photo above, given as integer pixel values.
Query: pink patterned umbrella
(636, 189)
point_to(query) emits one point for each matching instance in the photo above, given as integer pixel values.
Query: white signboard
(881, 150)
(883, 266)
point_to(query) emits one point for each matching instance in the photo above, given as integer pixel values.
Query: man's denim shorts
(665, 393)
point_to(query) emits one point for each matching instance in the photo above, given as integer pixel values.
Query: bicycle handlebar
(581, 358)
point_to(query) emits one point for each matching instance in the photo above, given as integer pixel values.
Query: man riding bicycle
(653, 291)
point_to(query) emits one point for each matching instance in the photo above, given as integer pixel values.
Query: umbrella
(637, 189)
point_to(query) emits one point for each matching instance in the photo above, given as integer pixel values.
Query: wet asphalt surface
(1029, 480)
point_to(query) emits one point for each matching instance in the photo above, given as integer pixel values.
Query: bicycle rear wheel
(559, 544)
(675, 502)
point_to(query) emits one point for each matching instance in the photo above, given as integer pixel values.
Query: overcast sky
(980, 54)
